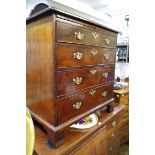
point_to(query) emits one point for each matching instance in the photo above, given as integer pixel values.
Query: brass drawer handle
(105, 75)
(95, 34)
(77, 80)
(92, 92)
(93, 71)
(77, 105)
(107, 41)
(78, 55)
(94, 52)
(79, 35)
(114, 124)
(106, 56)
(104, 94)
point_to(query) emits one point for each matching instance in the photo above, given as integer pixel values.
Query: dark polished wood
(52, 67)
(91, 76)
(66, 124)
(66, 33)
(90, 55)
(87, 100)
(39, 63)
(55, 138)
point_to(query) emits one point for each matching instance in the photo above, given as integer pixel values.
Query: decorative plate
(86, 122)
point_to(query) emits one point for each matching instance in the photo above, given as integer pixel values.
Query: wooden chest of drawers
(70, 69)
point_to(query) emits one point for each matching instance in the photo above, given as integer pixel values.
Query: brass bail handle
(104, 94)
(77, 105)
(77, 80)
(78, 55)
(79, 35)
(106, 56)
(107, 41)
(105, 75)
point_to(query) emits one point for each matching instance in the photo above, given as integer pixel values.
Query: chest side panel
(40, 68)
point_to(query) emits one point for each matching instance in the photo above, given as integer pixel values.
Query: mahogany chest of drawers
(70, 69)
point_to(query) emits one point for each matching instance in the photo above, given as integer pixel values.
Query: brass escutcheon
(78, 55)
(95, 34)
(77, 105)
(107, 41)
(106, 56)
(105, 75)
(93, 71)
(92, 92)
(94, 52)
(79, 35)
(77, 80)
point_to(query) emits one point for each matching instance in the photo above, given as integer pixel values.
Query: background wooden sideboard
(103, 139)
(122, 98)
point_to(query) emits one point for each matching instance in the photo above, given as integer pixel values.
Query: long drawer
(70, 81)
(74, 55)
(71, 33)
(74, 105)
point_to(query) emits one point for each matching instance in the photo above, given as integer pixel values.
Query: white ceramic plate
(86, 123)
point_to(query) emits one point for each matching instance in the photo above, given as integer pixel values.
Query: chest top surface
(50, 7)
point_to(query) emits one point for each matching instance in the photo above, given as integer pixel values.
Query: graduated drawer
(70, 81)
(79, 34)
(72, 55)
(72, 106)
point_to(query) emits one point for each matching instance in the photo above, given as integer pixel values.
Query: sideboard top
(68, 12)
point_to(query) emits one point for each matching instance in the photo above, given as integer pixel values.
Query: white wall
(121, 25)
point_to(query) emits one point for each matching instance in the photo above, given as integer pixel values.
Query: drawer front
(71, 55)
(114, 124)
(71, 81)
(72, 33)
(82, 102)
(113, 135)
(125, 134)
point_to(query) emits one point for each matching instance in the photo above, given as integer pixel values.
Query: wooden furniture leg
(110, 107)
(55, 138)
